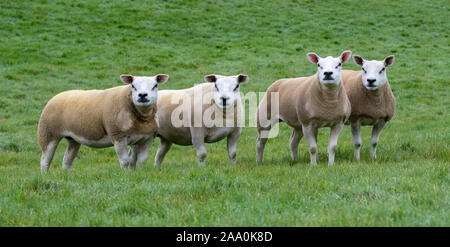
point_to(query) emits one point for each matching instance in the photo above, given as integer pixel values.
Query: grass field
(50, 46)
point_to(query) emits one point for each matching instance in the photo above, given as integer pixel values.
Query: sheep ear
(161, 78)
(313, 57)
(242, 78)
(210, 78)
(345, 56)
(388, 61)
(128, 79)
(358, 60)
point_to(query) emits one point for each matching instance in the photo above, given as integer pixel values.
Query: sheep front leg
(232, 141)
(310, 133)
(122, 154)
(332, 144)
(71, 152)
(356, 128)
(198, 140)
(376, 131)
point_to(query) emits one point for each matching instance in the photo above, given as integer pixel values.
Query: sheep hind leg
(332, 144)
(133, 153)
(232, 141)
(163, 148)
(296, 136)
(47, 154)
(263, 136)
(70, 154)
(142, 150)
(375, 136)
(310, 133)
(356, 132)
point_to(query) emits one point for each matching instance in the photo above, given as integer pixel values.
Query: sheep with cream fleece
(371, 97)
(205, 113)
(119, 116)
(307, 104)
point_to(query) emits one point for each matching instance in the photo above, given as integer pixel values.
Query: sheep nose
(371, 81)
(142, 95)
(224, 99)
(328, 73)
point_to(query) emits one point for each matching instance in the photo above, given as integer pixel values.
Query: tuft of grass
(50, 46)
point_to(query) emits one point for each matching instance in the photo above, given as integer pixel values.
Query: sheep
(307, 104)
(219, 97)
(119, 116)
(371, 97)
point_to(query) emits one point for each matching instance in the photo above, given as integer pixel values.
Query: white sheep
(118, 117)
(185, 116)
(371, 98)
(307, 104)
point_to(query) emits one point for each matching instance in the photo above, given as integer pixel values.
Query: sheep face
(329, 68)
(374, 72)
(226, 89)
(144, 89)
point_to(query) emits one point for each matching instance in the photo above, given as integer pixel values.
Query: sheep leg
(356, 128)
(296, 136)
(376, 131)
(198, 142)
(142, 150)
(332, 144)
(133, 156)
(47, 154)
(260, 145)
(310, 133)
(263, 134)
(163, 148)
(263, 127)
(232, 141)
(71, 153)
(122, 153)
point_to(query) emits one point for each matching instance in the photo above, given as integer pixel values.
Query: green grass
(50, 46)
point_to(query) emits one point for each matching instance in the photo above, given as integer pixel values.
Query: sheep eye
(364, 70)
(338, 65)
(132, 86)
(156, 86)
(216, 87)
(318, 65)
(381, 71)
(236, 88)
